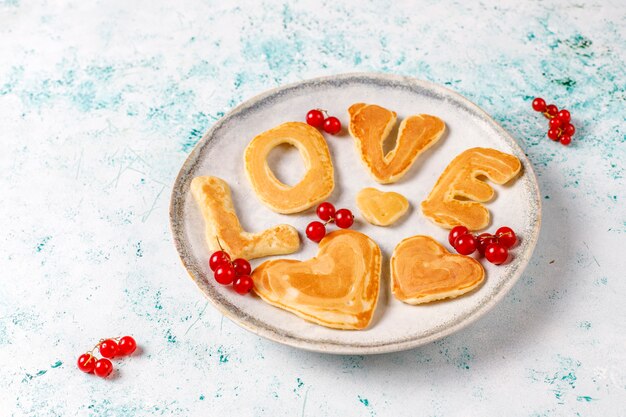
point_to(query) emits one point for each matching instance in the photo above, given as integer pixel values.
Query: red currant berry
(569, 130)
(103, 368)
(539, 104)
(126, 346)
(456, 232)
(483, 240)
(316, 231)
(555, 123)
(564, 116)
(552, 110)
(225, 274)
(332, 125)
(496, 253)
(506, 237)
(242, 267)
(554, 134)
(325, 211)
(344, 218)
(217, 259)
(315, 118)
(243, 284)
(566, 140)
(465, 244)
(108, 348)
(86, 362)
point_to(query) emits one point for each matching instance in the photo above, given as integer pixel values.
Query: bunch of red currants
(228, 272)
(493, 247)
(559, 127)
(343, 218)
(319, 118)
(109, 348)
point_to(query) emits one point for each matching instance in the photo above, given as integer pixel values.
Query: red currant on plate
(325, 211)
(564, 116)
(315, 118)
(552, 110)
(332, 125)
(86, 362)
(496, 253)
(103, 368)
(554, 134)
(506, 237)
(108, 348)
(316, 231)
(217, 259)
(539, 104)
(566, 140)
(242, 267)
(483, 240)
(126, 345)
(225, 273)
(465, 244)
(455, 233)
(569, 130)
(243, 284)
(344, 218)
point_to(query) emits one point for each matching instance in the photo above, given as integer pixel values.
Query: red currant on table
(552, 110)
(217, 259)
(496, 253)
(325, 211)
(126, 345)
(569, 130)
(243, 284)
(555, 123)
(539, 104)
(103, 368)
(108, 348)
(315, 118)
(332, 125)
(242, 267)
(455, 233)
(506, 237)
(566, 140)
(344, 218)
(483, 240)
(225, 273)
(86, 362)
(564, 116)
(316, 231)
(554, 134)
(465, 244)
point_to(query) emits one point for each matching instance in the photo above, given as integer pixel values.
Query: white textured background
(100, 102)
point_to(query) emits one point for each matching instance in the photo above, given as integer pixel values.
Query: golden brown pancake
(381, 208)
(460, 179)
(371, 124)
(423, 271)
(318, 181)
(338, 288)
(213, 197)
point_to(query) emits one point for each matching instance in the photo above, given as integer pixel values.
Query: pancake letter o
(318, 181)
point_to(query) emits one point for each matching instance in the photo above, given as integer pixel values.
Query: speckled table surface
(100, 102)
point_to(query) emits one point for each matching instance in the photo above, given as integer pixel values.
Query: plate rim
(245, 321)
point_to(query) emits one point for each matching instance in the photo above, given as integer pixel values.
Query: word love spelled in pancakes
(370, 125)
(338, 288)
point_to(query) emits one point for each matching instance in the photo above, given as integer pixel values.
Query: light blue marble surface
(101, 101)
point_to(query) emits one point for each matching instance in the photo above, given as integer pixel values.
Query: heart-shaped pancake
(422, 271)
(381, 208)
(338, 288)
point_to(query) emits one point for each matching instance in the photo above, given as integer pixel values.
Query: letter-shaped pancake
(213, 197)
(338, 288)
(381, 208)
(459, 179)
(371, 124)
(318, 181)
(423, 271)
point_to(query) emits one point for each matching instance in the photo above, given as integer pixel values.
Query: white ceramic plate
(396, 326)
